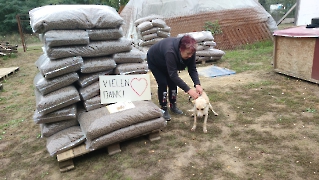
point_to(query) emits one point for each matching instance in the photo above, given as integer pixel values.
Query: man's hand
(199, 89)
(193, 93)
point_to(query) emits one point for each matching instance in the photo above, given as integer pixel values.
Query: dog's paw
(205, 130)
(193, 128)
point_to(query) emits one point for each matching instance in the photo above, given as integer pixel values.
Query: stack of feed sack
(102, 128)
(78, 45)
(56, 102)
(206, 50)
(81, 43)
(150, 30)
(132, 62)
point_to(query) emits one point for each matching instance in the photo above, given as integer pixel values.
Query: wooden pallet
(7, 49)
(211, 60)
(5, 72)
(65, 159)
(202, 62)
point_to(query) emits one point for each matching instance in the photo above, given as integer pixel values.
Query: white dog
(200, 109)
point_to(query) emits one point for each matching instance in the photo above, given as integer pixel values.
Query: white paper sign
(120, 106)
(121, 88)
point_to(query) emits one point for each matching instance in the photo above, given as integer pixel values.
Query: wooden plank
(114, 148)
(7, 45)
(204, 60)
(5, 72)
(66, 165)
(8, 51)
(315, 65)
(72, 153)
(294, 76)
(80, 150)
(65, 159)
(65, 155)
(153, 136)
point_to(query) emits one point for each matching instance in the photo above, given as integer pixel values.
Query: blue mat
(214, 71)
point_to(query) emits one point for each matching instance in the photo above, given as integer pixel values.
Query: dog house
(296, 52)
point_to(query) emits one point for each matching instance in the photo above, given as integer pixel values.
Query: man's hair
(188, 42)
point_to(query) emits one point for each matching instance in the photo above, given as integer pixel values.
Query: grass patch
(15, 38)
(10, 56)
(257, 56)
(12, 123)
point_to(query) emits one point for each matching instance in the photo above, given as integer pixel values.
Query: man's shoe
(174, 109)
(166, 115)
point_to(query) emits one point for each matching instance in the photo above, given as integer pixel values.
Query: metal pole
(293, 7)
(21, 33)
(297, 12)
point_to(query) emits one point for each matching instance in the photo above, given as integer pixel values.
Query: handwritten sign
(122, 88)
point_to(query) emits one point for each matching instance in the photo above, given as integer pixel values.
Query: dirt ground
(238, 145)
(222, 83)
